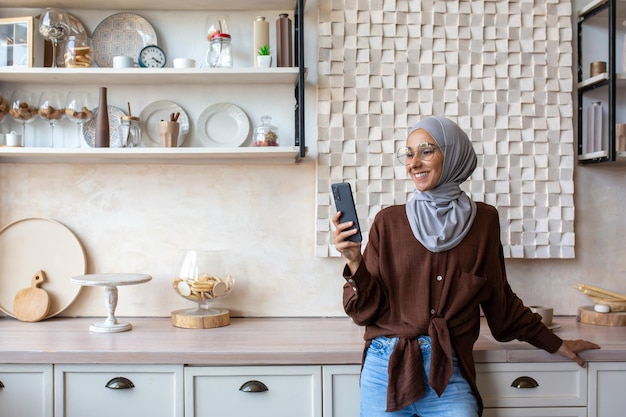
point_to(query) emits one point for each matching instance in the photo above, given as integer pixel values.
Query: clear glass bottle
(266, 134)
(130, 131)
(220, 55)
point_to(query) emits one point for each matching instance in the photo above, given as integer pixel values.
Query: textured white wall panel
(501, 69)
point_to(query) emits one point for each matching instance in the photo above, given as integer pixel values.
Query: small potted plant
(263, 58)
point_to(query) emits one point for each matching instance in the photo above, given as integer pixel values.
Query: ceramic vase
(102, 134)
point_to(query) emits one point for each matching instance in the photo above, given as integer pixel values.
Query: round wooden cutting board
(33, 244)
(588, 315)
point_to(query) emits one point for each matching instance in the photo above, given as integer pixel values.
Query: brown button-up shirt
(403, 290)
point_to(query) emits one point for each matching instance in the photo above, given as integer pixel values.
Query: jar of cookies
(77, 52)
(265, 134)
(203, 276)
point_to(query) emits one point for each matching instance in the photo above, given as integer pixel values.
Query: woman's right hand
(348, 249)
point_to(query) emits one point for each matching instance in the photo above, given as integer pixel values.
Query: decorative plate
(115, 120)
(157, 111)
(33, 244)
(223, 124)
(121, 34)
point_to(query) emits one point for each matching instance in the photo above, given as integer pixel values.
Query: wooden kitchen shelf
(242, 155)
(238, 78)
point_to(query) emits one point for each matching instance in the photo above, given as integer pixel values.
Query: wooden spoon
(32, 304)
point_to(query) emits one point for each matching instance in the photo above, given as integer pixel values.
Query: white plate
(554, 326)
(157, 111)
(33, 244)
(121, 34)
(223, 124)
(115, 120)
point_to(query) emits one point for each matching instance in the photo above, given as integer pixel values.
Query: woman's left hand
(571, 348)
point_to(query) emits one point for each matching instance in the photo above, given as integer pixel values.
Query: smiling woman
(428, 268)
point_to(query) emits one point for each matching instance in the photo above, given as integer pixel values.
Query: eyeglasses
(425, 151)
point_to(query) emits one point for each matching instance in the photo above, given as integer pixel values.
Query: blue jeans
(456, 401)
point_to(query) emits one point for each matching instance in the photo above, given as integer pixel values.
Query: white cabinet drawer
(536, 412)
(341, 390)
(218, 391)
(26, 390)
(559, 384)
(89, 390)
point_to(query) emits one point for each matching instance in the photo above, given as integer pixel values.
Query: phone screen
(344, 202)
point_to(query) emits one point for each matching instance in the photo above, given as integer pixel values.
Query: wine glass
(51, 109)
(79, 109)
(54, 24)
(22, 108)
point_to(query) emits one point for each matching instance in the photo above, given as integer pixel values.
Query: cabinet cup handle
(253, 386)
(524, 382)
(120, 383)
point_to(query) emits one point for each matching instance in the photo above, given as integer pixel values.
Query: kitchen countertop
(252, 341)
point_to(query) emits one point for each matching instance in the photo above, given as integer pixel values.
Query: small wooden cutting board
(32, 304)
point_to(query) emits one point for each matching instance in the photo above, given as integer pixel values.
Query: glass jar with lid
(266, 134)
(130, 131)
(219, 54)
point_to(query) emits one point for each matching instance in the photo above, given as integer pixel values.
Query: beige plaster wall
(135, 218)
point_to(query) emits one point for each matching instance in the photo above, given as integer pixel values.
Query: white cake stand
(110, 282)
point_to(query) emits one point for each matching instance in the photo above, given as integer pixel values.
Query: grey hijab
(441, 217)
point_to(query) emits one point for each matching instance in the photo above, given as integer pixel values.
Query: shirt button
(432, 311)
(439, 277)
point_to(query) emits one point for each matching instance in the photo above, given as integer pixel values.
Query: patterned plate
(121, 34)
(115, 117)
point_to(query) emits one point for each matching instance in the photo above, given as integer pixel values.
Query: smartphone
(344, 202)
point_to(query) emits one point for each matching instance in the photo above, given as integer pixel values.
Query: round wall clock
(152, 56)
